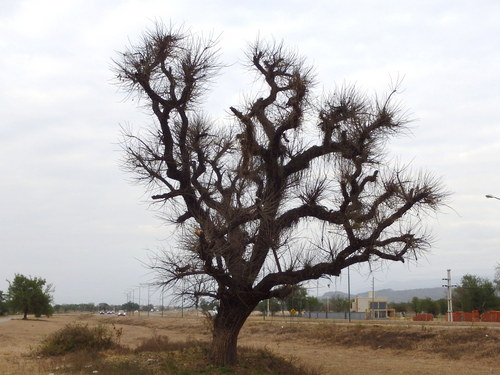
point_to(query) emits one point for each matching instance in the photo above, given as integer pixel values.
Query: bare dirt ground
(18, 337)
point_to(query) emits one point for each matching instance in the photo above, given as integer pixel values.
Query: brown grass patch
(171, 359)
(453, 343)
(169, 345)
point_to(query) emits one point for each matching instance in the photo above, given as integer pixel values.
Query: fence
(333, 315)
(488, 316)
(423, 318)
(491, 316)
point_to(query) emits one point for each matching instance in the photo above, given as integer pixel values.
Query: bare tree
(249, 193)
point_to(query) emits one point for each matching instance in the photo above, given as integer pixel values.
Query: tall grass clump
(77, 337)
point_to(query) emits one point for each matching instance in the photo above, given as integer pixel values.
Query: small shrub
(79, 337)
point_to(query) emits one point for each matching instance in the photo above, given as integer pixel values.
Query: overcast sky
(69, 214)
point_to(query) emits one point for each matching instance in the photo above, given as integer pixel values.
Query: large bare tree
(294, 188)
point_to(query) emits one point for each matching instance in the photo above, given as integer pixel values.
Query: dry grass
(157, 356)
(78, 348)
(179, 346)
(468, 342)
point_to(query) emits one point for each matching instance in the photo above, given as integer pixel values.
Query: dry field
(336, 349)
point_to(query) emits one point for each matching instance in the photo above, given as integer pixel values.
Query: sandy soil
(17, 337)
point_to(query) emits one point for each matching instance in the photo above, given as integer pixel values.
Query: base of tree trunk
(224, 348)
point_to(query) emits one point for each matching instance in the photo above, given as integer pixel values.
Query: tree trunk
(227, 326)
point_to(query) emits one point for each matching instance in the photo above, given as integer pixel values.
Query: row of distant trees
(29, 295)
(92, 307)
(473, 293)
(300, 301)
(477, 293)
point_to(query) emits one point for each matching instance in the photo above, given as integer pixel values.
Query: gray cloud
(68, 212)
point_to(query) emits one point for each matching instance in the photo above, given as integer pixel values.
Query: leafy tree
(443, 305)
(275, 306)
(339, 304)
(401, 307)
(296, 300)
(475, 293)
(103, 306)
(30, 296)
(130, 306)
(244, 193)
(3, 304)
(497, 277)
(415, 305)
(313, 304)
(429, 306)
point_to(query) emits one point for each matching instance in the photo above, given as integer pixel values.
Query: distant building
(373, 307)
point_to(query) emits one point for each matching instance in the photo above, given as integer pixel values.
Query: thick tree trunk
(227, 326)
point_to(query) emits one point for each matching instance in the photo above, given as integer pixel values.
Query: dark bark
(226, 328)
(240, 198)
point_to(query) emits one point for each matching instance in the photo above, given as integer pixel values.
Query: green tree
(296, 300)
(30, 296)
(314, 304)
(103, 306)
(243, 192)
(336, 304)
(429, 306)
(3, 304)
(130, 306)
(443, 305)
(475, 293)
(415, 305)
(273, 304)
(497, 277)
(400, 307)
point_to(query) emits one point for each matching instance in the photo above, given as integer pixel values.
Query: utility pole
(139, 300)
(162, 306)
(148, 301)
(450, 294)
(373, 298)
(349, 292)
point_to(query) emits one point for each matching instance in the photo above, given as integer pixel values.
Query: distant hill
(396, 295)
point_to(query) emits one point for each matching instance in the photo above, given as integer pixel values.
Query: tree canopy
(497, 277)
(30, 295)
(475, 293)
(3, 304)
(294, 187)
(131, 306)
